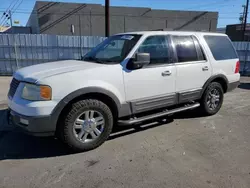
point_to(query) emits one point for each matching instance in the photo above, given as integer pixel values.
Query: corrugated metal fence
(21, 50)
(243, 50)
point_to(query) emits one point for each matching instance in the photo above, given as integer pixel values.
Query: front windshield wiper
(93, 59)
(102, 61)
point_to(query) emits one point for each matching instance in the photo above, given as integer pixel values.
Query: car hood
(38, 72)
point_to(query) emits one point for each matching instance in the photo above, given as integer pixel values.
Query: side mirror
(141, 59)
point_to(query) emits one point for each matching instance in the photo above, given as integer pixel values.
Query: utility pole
(107, 18)
(10, 17)
(242, 17)
(245, 20)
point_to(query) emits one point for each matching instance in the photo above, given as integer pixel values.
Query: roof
(173, 33)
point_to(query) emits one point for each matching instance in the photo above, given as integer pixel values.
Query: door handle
(166, 73)
(205, 68)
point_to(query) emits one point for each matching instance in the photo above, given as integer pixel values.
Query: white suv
(128, 78)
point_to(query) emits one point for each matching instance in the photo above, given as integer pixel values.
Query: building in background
(235, 32)
(221, 30)
(3, 28)
(89, 19)
(18, 30)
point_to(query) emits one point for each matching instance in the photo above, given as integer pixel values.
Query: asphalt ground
(190, 151)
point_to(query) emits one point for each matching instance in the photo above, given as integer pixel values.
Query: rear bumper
(232, 86)
(33, 125)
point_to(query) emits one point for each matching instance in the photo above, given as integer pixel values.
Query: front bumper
(33, 125)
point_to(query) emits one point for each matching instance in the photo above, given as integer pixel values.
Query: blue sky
(229, 10)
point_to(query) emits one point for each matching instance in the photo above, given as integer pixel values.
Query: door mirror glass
(141, 59)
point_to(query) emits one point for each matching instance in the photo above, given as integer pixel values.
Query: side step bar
(160, 114)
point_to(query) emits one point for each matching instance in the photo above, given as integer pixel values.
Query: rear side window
(221, 47)
(185, 48)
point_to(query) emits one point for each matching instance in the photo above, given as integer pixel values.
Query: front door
(152, 86)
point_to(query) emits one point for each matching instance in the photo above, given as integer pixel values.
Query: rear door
(192, 66)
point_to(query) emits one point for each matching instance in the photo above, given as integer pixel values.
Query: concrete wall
(33, 21)
(89, 19)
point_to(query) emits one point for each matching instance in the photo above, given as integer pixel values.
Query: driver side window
(157, 47)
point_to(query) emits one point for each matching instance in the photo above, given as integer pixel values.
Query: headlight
(36, 92)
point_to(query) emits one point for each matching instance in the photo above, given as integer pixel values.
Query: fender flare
(221, 76)
(63, 103)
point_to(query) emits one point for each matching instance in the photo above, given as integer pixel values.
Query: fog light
(24, 121)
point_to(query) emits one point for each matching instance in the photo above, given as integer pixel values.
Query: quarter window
(185, 48)
(157, 47)
(221, 47)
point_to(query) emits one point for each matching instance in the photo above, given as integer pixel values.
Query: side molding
(157, 102)
(189, 96)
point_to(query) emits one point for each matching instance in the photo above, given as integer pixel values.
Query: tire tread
(204, 107)
(67, 137)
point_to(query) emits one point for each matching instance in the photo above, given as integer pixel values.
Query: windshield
(113, 50)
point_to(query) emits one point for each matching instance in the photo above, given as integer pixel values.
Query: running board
(157, 115)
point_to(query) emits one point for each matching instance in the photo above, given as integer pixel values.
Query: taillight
(237, 68)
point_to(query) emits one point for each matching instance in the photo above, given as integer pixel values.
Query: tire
(207, 107)
(68, 131)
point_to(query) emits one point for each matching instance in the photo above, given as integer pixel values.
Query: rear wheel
(212, 98)
(87, 125)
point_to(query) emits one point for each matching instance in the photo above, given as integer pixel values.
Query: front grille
(13, 87)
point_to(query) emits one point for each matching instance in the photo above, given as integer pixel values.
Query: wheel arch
(220, 78)
(101, 94)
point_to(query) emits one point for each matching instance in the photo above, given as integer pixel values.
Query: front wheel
(212, 98)
(87, 125)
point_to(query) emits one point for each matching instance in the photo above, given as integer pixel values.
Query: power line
(8, 6)
(17, 10)
(8, 14)
(17, 7)
(11, 12)
(5, 20)
(86, 13)
(198, 6)
(26, 11)
(6, 10)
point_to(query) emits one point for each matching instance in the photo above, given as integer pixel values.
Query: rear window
(221, 47)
